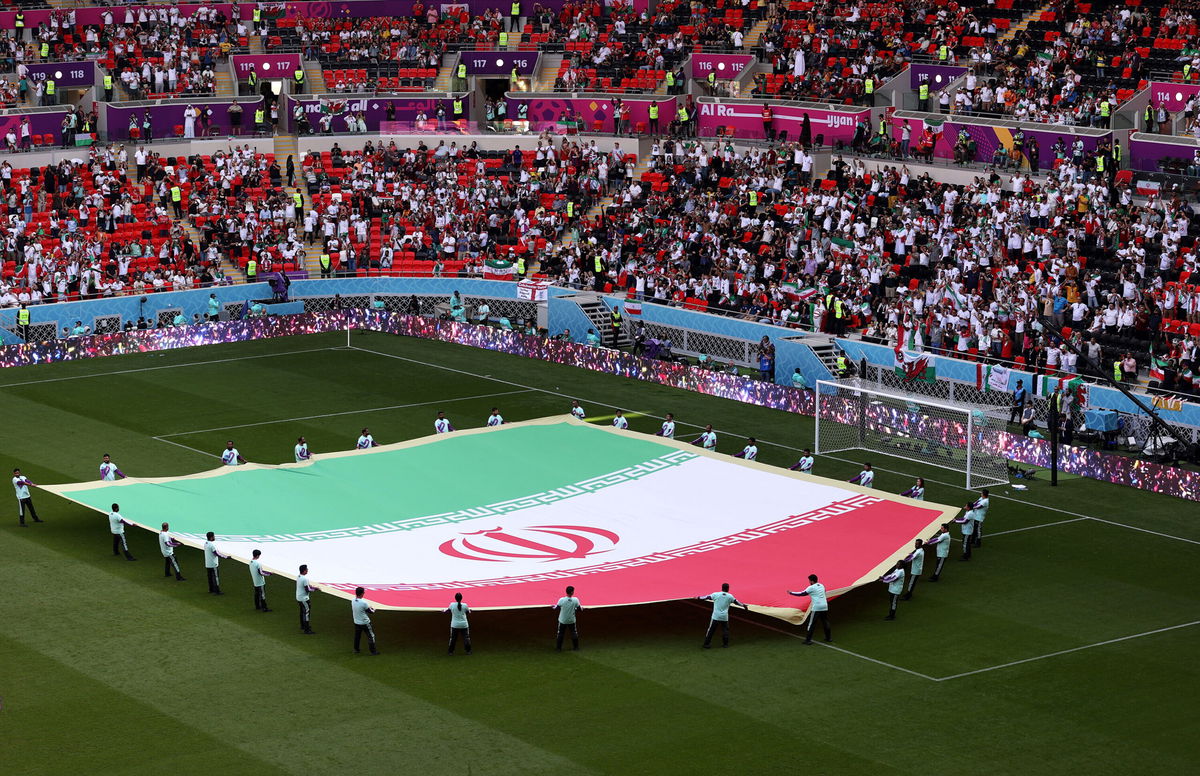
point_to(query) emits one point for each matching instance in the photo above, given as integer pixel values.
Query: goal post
(959, 437)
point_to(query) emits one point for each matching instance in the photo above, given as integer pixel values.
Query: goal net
(959, 437)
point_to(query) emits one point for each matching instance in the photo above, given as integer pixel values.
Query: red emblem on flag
(539, 542)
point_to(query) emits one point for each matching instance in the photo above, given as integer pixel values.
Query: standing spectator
(817, 610)
(1020, 396)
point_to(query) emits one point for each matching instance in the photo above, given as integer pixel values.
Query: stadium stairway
(314, 77)
(597, 313)
(544, 82)
(1023, 25)
(823, 346)
(755, 34)
(256, 45)
(445, 75)
(285, 146)
(223, 85)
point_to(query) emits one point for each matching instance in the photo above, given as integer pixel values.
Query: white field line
(1067, 651)
(162, 437)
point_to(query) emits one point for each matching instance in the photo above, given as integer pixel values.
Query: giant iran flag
(511, 515)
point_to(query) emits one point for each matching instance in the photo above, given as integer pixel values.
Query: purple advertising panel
(988, 138)
(64, 73)
(1149, 155)
(745, 118)
(165, 118)
(1170, 95)
(596, 113)
(724, 65)
(96, 15)
(499, 63)
(268, 66)
(937, 76)
(374, 110)
(49, 123)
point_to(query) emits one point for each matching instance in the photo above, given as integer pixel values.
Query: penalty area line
(834, 647)
(1068, 651)
(163, 437)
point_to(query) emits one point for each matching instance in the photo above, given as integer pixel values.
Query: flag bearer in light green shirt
(212, 560)
(362, 611)
(940, 541)
(258, 577)
(721, 602)
(459, 626)
(895, 582)
(303, 591)
(916, 564)
(568, 608)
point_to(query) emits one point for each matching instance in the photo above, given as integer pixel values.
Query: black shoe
(724, 646)
(130, 557)
(705, 646)
(807, 642)
(218, 593)
(964, 558)
(558, 649)
(828, 641)
(374, 652)
(357, 652)
(906, 597)
(890, 617)
(933, 579)
(167, 575)
(468, 653)
(180, 578)
(264, 610)
(309, 633)
(39, 520)
(23, 525)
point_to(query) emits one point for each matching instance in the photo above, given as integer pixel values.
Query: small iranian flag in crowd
(498, 269)
(1147, 188)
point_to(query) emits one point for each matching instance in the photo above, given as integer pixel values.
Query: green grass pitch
(1068, 645)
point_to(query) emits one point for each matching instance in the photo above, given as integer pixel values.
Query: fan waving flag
(915, 366)
(626, 517)
(498, 269)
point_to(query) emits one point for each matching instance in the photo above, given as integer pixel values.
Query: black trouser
(712, 628)
(912, 583)
(1014, 415)
(359, 630)
(305, 611)
(119, 545)
(893, 601)
(260, 597)
(978, 533)
(170, 565)
(214, 581)
(26, 504)
(937, 570)
(562, 631)
(466, 637)
(823, 616)
(966, 547)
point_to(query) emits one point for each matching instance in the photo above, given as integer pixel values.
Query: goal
(958, 437)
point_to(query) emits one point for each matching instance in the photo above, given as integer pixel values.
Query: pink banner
(595, 113)
(1171, 96)
(268, 66)
(724, 65)
(746, 120)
